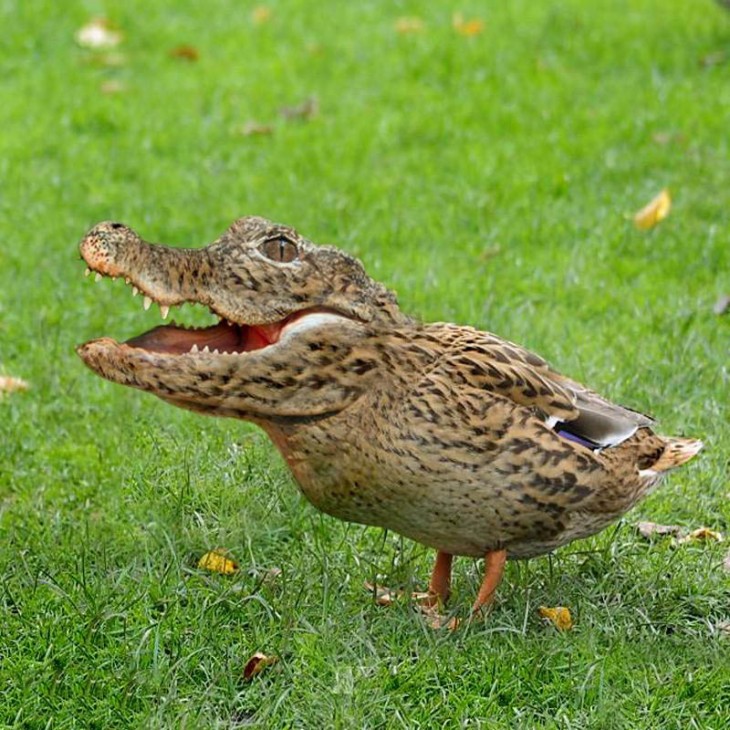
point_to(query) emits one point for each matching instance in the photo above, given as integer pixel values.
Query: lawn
(488, 173)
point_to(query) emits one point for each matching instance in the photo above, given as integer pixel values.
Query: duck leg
(440, 586)
(494, 562)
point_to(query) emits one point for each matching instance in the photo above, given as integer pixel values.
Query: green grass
(490, 181)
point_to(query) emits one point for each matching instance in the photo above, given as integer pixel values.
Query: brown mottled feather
(443, 433)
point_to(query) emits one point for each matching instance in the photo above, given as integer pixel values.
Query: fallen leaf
(112, 86)
(217, 561)
(559, 616)
(98, 34)
(490, 253)
(651, 529)
(308, 109)
(654, 212)
(436, 620)
(702, 534)
(9, 384)
(722, 305)
(255, 129)
(466, 27)
(185, 53)
(410, 24)
(261, 14)
(257, 663)
(383, 596)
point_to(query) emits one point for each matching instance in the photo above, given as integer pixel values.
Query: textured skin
(440, 432)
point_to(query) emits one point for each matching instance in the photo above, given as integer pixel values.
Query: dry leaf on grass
(383, 596)
(185, 53)
(409, 24)
(702, 534)
(261, 14)
(654, 211)
(437, 620)
(722, 305)
(308, 109)
(98, 34)
(9, 384)
(257, 663)
(255, 129)
(466, 27)
(425, 603)
(559, 617)
(652, 529)
(112, 86)
(217, 561)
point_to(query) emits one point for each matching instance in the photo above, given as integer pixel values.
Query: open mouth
(223, 338)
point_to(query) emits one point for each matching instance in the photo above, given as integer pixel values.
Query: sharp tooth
(205, 349)
(194, 348)
(87, 272)
(147, 302)
(135, 291)
(127, 280)
(98, 276)
(164, 311)
(215, 352)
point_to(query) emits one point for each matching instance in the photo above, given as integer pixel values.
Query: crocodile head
(275, 295)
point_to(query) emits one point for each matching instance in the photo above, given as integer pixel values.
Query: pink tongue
(178, 340)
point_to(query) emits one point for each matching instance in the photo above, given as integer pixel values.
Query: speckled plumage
(451, 436)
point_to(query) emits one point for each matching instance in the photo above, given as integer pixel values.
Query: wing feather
(509, 370)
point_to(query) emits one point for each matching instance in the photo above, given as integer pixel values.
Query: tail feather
(676, 452)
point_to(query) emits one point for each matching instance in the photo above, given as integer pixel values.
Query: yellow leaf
(703, 533)
(654, 212)
(261, 14)
(559, 616)
(9, 384)
(217, 561)
(467, 27)
(257, 663)
(410, 24)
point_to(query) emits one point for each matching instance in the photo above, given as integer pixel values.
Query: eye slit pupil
(279, 249)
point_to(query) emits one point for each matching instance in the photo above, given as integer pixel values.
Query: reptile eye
(279, 249)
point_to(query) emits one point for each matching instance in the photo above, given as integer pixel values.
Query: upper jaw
(230, 336)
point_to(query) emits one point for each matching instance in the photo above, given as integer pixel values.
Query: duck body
(434, 453)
